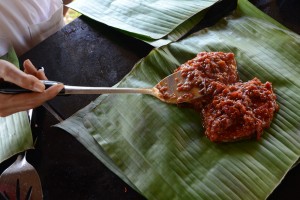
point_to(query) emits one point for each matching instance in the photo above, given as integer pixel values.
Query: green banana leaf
(15, 132)
(157, 22)
(161, 150)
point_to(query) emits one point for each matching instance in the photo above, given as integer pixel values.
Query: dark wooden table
(86, 52)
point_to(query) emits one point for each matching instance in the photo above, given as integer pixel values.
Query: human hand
(29, 79)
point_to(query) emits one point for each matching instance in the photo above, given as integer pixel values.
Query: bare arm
(66, 8)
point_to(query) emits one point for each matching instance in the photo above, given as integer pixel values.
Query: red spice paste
(232, 110)
(210, 72)
(240, 111)
(207, 73)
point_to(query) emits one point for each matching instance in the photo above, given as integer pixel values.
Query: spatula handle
(10, 88)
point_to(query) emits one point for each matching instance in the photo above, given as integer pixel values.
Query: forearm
(65, 7)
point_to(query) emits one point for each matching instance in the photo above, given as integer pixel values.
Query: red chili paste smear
(232, 110)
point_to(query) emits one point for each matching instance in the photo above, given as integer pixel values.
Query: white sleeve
(26, 23)
(4, 45)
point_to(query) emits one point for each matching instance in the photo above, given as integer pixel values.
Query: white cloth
(25, 23)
